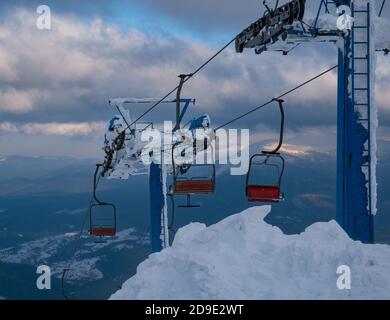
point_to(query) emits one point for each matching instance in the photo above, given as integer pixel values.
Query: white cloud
(70, 72)
(79, 63)
(8, 68)
(8, 127)
(18, 101)
(57, 129)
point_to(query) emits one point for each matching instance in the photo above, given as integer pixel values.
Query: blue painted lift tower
(159, 233)
(356, 158)
(356, 112)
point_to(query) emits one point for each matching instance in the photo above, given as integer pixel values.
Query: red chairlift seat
(263, 193)
(185, 187)
(103, 231)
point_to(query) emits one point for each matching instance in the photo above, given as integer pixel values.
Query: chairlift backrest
(260, 192)
(186, 184)
(103, 225)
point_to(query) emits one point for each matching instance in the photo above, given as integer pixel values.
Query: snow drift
(243, 257)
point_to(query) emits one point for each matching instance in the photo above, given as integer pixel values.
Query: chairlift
(187, 183)
(271, 162)
(102, 215)
(265, 192)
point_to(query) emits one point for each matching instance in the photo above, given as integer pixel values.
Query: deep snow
(243, 257)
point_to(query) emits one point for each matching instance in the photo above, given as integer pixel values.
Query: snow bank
(243, 257)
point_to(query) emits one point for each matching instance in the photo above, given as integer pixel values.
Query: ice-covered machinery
(268, 28)
(285, 27)
(123, 144)
(124, 141)
(127, 141)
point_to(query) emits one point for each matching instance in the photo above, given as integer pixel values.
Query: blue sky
(54, 85)
(143, 15)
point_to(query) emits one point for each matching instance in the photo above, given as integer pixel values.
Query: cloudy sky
(55, 84)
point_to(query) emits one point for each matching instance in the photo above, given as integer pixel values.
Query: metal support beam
(179, 115)
(156, 207)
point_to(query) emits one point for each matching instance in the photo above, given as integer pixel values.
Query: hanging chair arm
(281, 173)
(281, 131)
(95, 183)
(183, 79)
(173, 161)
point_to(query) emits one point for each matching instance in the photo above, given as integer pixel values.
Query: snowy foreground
(243, 257)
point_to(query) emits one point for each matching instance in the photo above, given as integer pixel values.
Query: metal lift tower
(356, 111)
(356, 126)
(282, 28)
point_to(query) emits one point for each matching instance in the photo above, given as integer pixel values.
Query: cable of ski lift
(299, 5)
(268, 102)
(189, 76)
(381, 9)
(279, 97)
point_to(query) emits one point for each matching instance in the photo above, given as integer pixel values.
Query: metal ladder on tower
(164, 235)
(361, 100)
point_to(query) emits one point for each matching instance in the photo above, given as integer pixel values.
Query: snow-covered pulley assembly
(269, 27)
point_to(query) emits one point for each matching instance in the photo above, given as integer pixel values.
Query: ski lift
(187, 181)
(270, 162)
(102, 215)
(265, 192)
